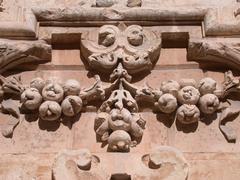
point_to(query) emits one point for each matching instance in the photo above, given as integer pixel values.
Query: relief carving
(51, 101)
(13, 53)
(123, 51)
(118, 122)
(222, 52)
(137, 49)
(165, 163)
(75, 165)
(109, 3)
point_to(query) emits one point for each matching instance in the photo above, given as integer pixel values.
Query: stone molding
(57, 16)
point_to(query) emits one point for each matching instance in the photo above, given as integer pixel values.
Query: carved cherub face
(120, 119)
(136, 48)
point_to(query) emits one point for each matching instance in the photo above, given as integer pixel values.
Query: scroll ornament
(136, 48)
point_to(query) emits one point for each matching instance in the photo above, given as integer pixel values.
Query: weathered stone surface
(221, 52)
(13, 53)
(182, 101)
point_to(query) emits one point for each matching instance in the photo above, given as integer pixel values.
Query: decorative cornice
(77, 15)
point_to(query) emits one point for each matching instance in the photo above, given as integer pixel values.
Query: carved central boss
(136, 48)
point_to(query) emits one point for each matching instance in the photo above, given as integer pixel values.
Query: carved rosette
(136, 48)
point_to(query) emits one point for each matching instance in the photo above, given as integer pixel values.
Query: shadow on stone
(48, 125)
(209, 118)
(69, 121)
(166, 119)
(31, 117)
(120, 176)
(186, 128)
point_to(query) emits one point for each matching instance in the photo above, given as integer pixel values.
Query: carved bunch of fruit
(188, 98)
(120, 128)
(52, 99)
(49, 99)
(118, 122)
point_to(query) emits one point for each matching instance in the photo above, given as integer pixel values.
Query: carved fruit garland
(121, 51)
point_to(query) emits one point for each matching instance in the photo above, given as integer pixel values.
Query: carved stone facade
(119, 89)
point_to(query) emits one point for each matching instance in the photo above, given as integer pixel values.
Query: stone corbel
(223, 51)
(13, 53)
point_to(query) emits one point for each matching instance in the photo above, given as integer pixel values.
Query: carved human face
(170, 87)
(50, 111)
(208, 103)
(207, 85)
(107, 35)
(167, 103)
(120, 119)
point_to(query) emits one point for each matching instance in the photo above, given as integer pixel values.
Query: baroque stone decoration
(163, 162)
(118, 122)
(185, 48)
(134, 47)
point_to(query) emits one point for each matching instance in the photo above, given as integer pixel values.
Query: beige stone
(119, 75)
